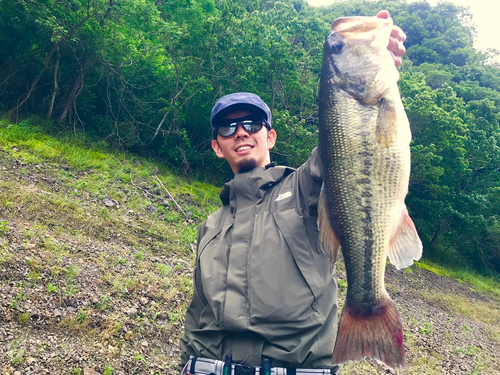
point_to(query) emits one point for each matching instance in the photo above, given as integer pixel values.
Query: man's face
(245, 150)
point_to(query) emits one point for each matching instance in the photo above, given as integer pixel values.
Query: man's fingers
(383, 14)
(396, 47)
(397, 59)
(398, 33)
(396, 40)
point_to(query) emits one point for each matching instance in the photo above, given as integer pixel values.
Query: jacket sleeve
(195, 308)
(309, 181)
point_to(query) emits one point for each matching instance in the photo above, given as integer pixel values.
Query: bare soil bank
(79, 298)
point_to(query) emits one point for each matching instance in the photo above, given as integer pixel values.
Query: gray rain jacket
(262, 285)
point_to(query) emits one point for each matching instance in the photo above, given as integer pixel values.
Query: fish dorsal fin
(405, 246)
(327, 237)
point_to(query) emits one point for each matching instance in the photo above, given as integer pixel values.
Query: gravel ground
(77, 304)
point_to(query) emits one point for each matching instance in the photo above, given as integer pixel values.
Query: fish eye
(336, 47)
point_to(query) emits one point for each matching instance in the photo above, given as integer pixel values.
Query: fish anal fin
(378, 335)
(387, 122)
(327, 237)
(405, 245)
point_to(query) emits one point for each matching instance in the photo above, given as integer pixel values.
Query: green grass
(164, 269)
(51, 288)
(5, 255)
(104, 304)
(15, 301)
(108, 370)
(479, 282)
(24, 317)
(426, 329)
(15, 353)
(30, 135)
(476, 310)
(64, 213)
(82, 316)
(4, 228)
(103, 165)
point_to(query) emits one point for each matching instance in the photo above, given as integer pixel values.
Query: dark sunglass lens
(252, 126)
(226, 131)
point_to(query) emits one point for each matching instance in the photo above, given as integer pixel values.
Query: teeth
(243, 148)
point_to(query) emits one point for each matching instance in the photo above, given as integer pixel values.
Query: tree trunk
(73, 90)
(56, 87)
(37, 78)
(444, 225)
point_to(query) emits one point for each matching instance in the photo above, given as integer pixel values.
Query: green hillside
(96, 253)
(96, 256)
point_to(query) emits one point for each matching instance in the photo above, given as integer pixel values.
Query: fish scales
(358, 179)
(364, 141)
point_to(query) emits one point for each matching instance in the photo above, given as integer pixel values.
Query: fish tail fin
(378, 335)
(405, 245)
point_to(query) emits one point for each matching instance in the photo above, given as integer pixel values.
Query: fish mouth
(359, 27)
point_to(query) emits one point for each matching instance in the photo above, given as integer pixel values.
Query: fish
(364, 145)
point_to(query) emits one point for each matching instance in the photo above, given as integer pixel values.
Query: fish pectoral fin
(405, 246)
(329, 241)
(387, 122)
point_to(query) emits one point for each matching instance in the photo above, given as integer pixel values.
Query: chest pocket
(285, 278)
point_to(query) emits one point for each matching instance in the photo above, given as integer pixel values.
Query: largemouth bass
(364, 143)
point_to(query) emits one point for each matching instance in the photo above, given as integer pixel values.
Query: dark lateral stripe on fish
(365, 154)
(363, 181)
(368, 253)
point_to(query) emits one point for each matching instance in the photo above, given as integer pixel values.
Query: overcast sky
(486, 17)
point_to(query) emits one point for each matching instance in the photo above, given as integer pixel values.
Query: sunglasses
(251, 124)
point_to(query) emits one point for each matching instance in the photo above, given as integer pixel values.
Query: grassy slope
(95, 257)
(96, 261)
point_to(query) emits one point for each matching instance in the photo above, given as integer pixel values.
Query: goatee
(246, 165)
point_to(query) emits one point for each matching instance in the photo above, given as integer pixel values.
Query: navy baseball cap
(239, 101)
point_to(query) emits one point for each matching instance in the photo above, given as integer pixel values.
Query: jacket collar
(257, 179)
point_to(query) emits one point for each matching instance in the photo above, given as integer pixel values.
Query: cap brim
(238, 107)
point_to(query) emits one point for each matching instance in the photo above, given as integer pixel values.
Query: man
(264, 292)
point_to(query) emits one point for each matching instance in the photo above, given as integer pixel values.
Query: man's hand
(395, 46)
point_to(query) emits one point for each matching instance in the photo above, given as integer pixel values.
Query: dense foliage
(143, 75)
